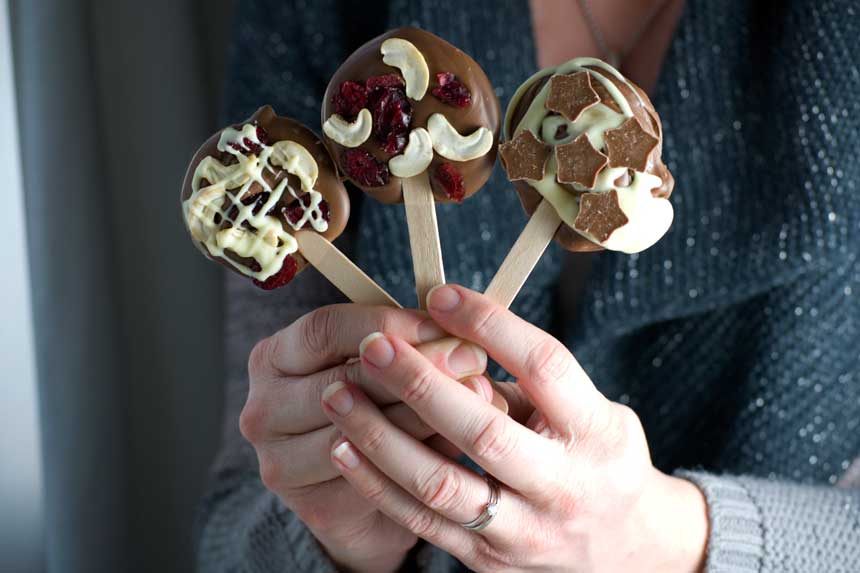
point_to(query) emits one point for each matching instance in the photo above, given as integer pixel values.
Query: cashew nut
(201, 209)
(403, 55)
(346, 133)
(296, 160)
(451, 145)
(416, 157)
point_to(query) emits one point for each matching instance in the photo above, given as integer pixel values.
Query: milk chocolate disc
(604, 173)
(251, 186)
(409, 102)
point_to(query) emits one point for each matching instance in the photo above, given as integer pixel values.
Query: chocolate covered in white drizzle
(648, 217)
(259, 236)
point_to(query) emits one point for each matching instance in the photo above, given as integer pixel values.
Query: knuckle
(253, 421)
(376, 492)
(261, 359)
(494, 443)
(547, 362)
(373, 439)
(386, 321)
(317, 331)
(485, 322)
(423, 523)
(441, 489)
(271, 473)
(419, 386)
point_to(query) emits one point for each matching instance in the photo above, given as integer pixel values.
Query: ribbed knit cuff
(736, 538)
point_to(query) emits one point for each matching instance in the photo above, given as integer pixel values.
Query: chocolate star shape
(605, 97)
(571, 95)
(579, 162)
(524, 157)
(629, 145)
(599, 215)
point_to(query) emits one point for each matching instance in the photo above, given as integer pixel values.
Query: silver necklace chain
(612, 57)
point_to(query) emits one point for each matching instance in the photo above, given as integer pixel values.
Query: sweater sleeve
(767, 526)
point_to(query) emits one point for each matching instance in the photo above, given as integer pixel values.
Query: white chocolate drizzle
(648, 217)
(259, 236)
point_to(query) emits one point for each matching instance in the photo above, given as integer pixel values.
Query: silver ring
(490, 510)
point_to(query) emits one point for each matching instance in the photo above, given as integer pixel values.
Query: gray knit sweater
(734, 338)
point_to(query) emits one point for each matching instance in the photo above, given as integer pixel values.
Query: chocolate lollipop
(410, 118)
(583, 151)
(263, 197)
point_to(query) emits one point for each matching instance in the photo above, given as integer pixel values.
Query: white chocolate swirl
(257, 236)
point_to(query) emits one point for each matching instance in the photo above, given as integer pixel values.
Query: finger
(292, 405)
(549, 374)
(400, 506)
(519, 407)
(507, 450)
(329, 335)
(442, 445)
(302, 461)
(440, 484)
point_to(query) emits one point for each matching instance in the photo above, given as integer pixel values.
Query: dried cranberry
(255, 266)
(295, 211)
(451, 181)
(252, 146)
(386, 81)
(349, 99)
(451, 91)
(280, 278)
(262, 135)
(364, 168)
(259, 200)
(233, 214)
(392, 114)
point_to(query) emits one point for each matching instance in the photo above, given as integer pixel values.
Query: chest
(636, 32)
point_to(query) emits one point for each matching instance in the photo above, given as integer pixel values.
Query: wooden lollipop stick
(351, 280)
(423, 236)
(343, 274)
(524, 255)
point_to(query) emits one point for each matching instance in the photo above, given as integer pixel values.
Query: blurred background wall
(112, 99)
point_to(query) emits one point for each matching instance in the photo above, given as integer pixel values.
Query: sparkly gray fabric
(734, 338)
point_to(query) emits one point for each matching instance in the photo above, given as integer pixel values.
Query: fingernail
(443, 299)
(345, 454)
(376, 349)
(428, 331)
(339, 398)
(467, 359)
(478, 388)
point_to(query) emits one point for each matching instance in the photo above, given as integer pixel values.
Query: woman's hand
(284, 421)
(579, 491)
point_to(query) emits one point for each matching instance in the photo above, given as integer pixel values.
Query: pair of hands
(362, 450)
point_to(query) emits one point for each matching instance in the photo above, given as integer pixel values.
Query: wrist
(675, 514)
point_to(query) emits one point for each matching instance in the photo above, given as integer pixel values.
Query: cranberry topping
(451, 181)
(451, 91)
(349, 99)
(262, 135)
(392, 114)
(280, 278)
(386, 81)
(364, 168)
